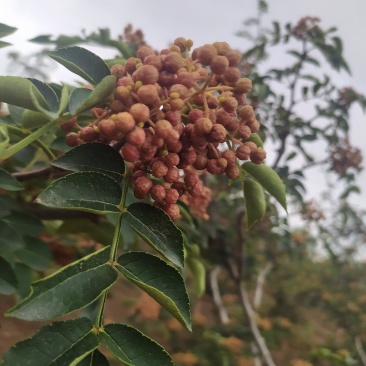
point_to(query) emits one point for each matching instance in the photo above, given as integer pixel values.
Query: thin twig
(360, 350)
(286, 133)
(260, 282)
(244, 298)
(255, 351)
(314, 163)
(237, 272)
(224, 318)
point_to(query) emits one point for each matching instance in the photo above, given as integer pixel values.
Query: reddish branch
(45, 213)
(47, 173)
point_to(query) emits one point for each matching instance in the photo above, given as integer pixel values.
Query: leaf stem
(112, 253)
(114, 246)
(29, 139)
(45, 149)
(99, 320)
(112, 256)
(21, 133)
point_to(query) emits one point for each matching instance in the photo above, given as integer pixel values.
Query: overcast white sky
(202, 21)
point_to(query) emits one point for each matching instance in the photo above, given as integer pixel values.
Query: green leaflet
(10, 240)
(17, 91)
(95, 358)
(199, 274)
(102, 233)
(24, 276)
(254, 137)
(36, 254)
(101, 37)
(160, 280)
(4, 139)
(268, 179)
(59, 343)
(32, 119)
(48, 94)
(8, 182)
(82, 99)
(24, 223)
(134, 348)
(82, 62)
(51, 115)
(8, 279)
(115, 61)
(156, 228)
(71, 288)
(86, 191)
(77, 97)
(255, 202)
(5, 30)
(61, 41)
(64, 99)
(4, 44)
(93, 157)
(16, 114)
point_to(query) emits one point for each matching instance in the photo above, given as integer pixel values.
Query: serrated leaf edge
(143, 334)
(11, 310)
(65, 321)
(178, 263)
(39, 200)
(136, 281)
(101, 171)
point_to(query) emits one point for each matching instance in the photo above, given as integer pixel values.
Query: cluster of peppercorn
(344, 156)
(175, 114)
